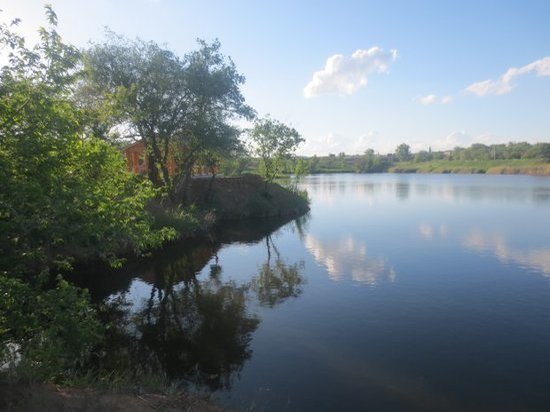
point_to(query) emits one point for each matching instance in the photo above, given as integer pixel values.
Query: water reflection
(348, 257)
(435, 340)
(402, 190)
(428, 231)
(182, 320)
(328, 188)
(277, 280)
(497, 244)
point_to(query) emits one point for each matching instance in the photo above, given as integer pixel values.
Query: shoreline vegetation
(511, 158)
(67, 197)
(494, 167)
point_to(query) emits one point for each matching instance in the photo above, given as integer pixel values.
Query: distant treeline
(478, 158)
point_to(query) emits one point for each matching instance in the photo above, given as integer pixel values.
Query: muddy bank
(50, 398)
(245, 197)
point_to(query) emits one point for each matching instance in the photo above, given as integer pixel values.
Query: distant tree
(301, 168)
(539, 151)
(314, 164)
(272, 142)
(403, 152)
(422, 156)
(517, 150)
(477, 151)
(497, 151)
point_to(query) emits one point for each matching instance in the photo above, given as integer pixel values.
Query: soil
(245, 197)
(50, 398)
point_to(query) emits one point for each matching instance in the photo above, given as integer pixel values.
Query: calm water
(396, 292)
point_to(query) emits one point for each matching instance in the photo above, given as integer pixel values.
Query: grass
(516, 166)
(248, 197)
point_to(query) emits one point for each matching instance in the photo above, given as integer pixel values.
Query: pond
(396, 292)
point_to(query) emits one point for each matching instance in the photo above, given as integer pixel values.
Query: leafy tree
(539, 151)
(423, 156)
(301, 168)
(62, 196)
(314, 164)
(516, 150)
(371, 163)
(180, 107)
(403, 152)
(273, 142)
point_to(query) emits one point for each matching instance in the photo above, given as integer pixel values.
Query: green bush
(64, 194)
(54, 331)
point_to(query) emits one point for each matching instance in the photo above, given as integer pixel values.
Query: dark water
(396, 292)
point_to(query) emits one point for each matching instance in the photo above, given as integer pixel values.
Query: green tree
(314, 164)
(517, 150)
(423, 156)
(63, 195)
(180, 107)
(539, 151)
(301, 168)
(273, 142)
(403, 152)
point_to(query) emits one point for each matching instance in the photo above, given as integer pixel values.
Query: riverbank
(246, 200)
(48, 397)
(221, 200)
(246, 197)
(510, 167)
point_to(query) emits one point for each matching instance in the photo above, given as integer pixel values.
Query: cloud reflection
(428, 231)
(538, 259)
(347, 257)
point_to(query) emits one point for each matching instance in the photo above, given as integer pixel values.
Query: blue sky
(352, 75)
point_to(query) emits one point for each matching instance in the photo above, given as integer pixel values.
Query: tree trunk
(210, 183)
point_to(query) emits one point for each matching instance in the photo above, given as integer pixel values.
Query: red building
(136, 157)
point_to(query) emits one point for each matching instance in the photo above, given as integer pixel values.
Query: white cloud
(336, 143)
(372, 140)
(433, 99)
(456, 138)
(429, 99)
(329, 143)
(504, 83)
(346, 75)
(462, 138)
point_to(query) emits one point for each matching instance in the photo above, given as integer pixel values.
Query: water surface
(396, 292)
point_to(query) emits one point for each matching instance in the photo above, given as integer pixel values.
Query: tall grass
(516, 166)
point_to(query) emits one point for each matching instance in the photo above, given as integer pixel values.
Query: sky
(353, 75)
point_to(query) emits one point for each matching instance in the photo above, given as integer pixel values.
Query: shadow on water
(186, 328)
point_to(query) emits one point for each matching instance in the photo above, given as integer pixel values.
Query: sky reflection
(347, 257)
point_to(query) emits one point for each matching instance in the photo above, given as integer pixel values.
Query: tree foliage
(180, 107)
(403, 152)
(63, 194)
(45, 333)
(273, 142)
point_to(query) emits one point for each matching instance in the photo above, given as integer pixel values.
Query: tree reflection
(277, 281)
(191, 328)
(200, 331)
